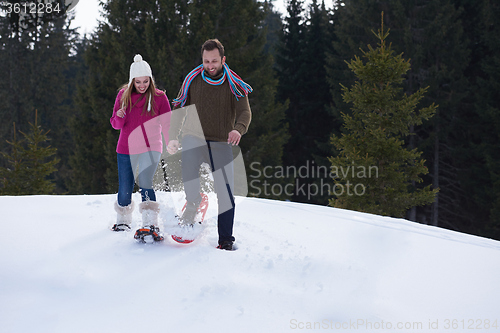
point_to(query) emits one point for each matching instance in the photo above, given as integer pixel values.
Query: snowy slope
(298, 268)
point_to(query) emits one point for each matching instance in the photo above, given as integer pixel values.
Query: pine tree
(30, 164)
(305, 44)
(289, 58)
(34, 56)
(274, 26)
(12, 175)
(431, 34)
(317, 120)
(484, 187)
(374, 171)
(14, 64)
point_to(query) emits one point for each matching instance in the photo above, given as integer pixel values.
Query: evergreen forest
(388, 107)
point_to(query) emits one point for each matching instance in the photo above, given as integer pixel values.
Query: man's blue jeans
(141, 167)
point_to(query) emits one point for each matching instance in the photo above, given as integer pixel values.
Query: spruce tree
(485, 127)
(305, 44)
(274, 26)
(431, 34)
(374, 172)
(12, 175)
(31, 163)
(290, 56)
(317, 122)
(34, 56)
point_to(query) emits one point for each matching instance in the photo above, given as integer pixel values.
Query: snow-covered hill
(297, 268)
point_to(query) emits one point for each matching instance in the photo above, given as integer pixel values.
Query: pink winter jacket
(140, 133)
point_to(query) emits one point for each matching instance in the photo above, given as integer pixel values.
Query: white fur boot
(149, 211)
(123, 217)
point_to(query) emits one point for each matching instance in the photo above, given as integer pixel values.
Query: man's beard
(217, 72)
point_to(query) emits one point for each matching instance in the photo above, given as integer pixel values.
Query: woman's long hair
(126, 100)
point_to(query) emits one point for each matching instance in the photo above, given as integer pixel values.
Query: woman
(142, 114)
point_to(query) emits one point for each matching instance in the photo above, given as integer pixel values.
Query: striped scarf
(238, 87)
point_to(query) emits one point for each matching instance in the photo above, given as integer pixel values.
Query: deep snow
(298, 268)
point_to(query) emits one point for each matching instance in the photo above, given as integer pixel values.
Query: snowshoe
(120, 227)
(148, 234)
(193, 215)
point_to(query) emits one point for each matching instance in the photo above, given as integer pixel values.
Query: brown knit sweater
(217, 109)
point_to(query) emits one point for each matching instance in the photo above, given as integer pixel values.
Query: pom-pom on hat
(139, 68)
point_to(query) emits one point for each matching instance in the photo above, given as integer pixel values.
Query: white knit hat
(140, 68)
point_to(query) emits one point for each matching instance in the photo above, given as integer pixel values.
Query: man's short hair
(212, 44)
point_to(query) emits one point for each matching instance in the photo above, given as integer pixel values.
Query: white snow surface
(298, 267)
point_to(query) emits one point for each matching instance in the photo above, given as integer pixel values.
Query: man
(218, 100)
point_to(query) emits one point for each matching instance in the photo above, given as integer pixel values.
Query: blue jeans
(141, 167)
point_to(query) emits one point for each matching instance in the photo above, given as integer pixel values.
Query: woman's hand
(121, 113)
